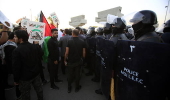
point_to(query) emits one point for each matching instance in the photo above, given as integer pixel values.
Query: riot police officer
(84, 31)
(148, 45)
(107, 30)
(166, 30)
(90, 50)
(118, 30)
(99, 32)
(166, 39)
(98, 37)
(142, 24)
(109, 54)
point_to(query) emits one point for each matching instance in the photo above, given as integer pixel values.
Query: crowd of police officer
(102, 42)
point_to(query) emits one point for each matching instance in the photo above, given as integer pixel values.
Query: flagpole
(57, 25)
(31, 14)
(166, 11)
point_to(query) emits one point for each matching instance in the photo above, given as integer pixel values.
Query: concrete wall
(78, 21)
(102, 15)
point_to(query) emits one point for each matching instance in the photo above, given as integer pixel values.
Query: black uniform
(166, 38)
(166, 30)
(135, 59)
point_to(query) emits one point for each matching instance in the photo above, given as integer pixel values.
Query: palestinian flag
(47, 36)
(45, 49)
(47, 26)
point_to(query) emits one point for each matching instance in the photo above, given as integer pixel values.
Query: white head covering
(131, 31)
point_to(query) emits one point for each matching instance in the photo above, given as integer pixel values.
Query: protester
(75, 52)
(44, 81)
(63, 43)
(6, 56)
(3, 39)
(53, 58)
(26, 68)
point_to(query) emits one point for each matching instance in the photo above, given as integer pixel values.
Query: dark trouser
(92, 64)
(5, 74)
(25, 87)
(42, 74)
(73, 73)
(53, 71)
(98, 67)
(2, 89)
(63, 67)
(18, 93)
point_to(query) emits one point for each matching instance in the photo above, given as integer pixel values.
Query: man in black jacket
(53, 58)
(25, 63)
(6, 56)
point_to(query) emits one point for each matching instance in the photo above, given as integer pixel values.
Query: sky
(65, 9)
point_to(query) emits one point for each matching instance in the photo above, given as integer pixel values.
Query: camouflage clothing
(25, 87)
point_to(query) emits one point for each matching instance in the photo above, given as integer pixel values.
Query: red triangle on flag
(47, 26)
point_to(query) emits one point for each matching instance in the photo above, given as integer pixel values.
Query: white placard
(54, 18)
(36, 31)
(4, 20)
(24, 22)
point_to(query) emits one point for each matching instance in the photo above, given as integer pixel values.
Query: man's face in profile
(16, 39)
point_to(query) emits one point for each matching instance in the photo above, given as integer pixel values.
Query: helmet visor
(111, 19)
(137, 18)
(132, 18)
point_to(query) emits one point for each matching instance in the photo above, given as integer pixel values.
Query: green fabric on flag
(45, 49)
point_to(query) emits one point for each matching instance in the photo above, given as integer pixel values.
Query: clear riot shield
(107, 67)
(142, 71)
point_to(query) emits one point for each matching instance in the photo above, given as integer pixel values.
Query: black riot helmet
(84, 31)
(120, 23)
(99, 30)
(91, 31)
(107, 28)
(143, 21)
(145, 16)
(167, 26)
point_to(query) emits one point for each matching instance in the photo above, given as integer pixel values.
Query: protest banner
(5, 21)
(36, 31)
